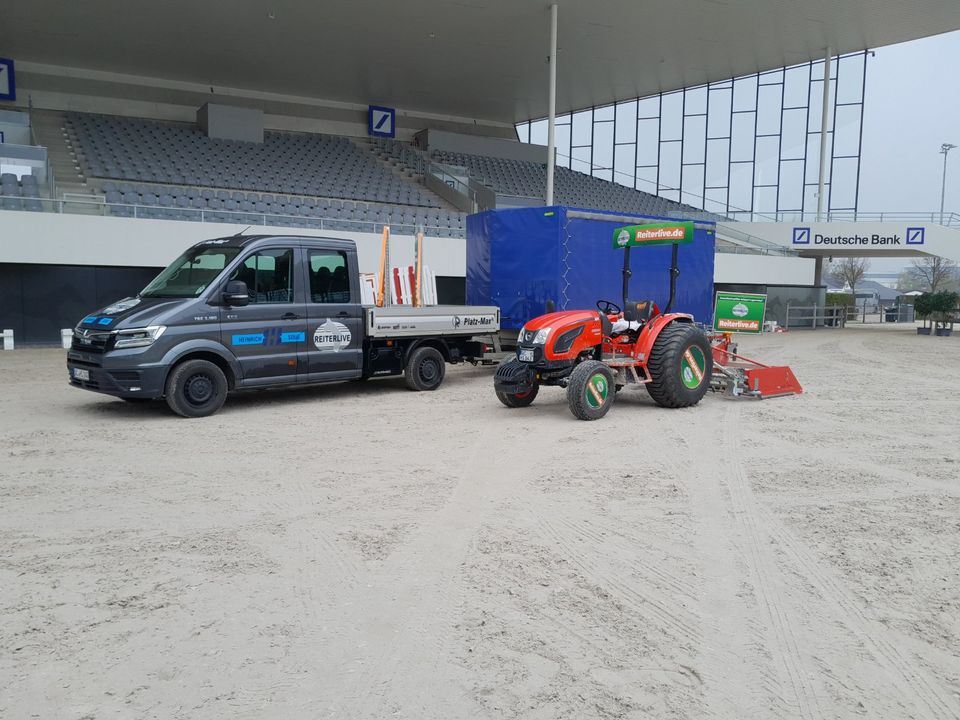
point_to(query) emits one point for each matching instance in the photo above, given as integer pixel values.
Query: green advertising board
(660, 233)
(739, 312)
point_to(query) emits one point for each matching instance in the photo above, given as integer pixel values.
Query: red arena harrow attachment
(596, 353)
(740, 376)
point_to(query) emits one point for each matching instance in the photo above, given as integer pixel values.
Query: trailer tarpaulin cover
(518, 259)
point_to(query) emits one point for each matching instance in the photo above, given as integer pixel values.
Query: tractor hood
(557, 320)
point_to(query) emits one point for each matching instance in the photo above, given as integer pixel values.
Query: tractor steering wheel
(608, 308)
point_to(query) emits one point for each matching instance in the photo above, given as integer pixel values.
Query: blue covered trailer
(519, 259)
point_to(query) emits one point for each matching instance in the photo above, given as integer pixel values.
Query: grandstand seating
(527, 179)
(20, 194)
(180, 154)
(170, 202)
(170, 170)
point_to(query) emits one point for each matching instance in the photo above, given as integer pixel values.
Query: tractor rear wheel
(680, 365)
(590, 391)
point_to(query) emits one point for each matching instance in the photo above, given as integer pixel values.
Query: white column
(824, 117)
(552, 103)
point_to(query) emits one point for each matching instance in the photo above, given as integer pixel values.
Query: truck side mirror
(236, 293)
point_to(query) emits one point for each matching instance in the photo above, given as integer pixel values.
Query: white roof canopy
(482, 59)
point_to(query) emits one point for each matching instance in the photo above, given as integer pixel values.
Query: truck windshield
(191, 273)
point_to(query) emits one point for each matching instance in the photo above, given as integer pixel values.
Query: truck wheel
(680, 365)
(425, 369)
(590, 391)
(196, 388)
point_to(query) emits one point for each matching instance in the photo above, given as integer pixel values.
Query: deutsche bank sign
(8, 83)
(382, 121)
(805, 236)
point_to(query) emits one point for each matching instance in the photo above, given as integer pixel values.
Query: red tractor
(594, 354)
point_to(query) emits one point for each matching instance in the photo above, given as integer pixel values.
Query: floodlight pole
(824, 117)
(944, 149)
(552, 105)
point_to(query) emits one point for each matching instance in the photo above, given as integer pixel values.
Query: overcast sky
(912, 107)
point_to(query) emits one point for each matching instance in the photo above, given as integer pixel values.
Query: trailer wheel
(425, 369)
(680, 365)
(196, 388)
(590, 391)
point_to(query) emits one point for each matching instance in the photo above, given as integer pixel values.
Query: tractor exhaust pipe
(626, 275)
(674, 274)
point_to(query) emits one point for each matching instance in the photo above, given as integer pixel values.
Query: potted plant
(922, 307)
(944, 306)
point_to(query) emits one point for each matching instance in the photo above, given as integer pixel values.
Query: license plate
(81, 374)
(526, 356)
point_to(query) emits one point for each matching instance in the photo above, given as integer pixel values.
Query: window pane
(329, 282)
(268, 275)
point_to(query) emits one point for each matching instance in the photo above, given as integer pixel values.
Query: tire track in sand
(751, 667)
(913, 684)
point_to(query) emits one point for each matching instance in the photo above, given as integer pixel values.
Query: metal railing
(74, 204)
(950, 219)
(837, 316)
(420, 163)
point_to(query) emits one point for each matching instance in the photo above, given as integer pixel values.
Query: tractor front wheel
(680, 365)
(591, 390)
(518, 400)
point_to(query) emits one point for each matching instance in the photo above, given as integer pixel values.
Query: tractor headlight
(541, 337)
(138, 337)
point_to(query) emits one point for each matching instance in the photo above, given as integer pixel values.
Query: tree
(849, 271)
(931, 273)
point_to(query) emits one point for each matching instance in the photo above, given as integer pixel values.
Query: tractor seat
(638, 310)
(606, 326)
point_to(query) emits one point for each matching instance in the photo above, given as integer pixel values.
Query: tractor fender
(650, 333)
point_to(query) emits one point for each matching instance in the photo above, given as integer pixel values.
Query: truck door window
(268, 275)
(329, 281)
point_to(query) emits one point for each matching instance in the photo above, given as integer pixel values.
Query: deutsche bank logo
(801, 236)
(916, 236)
(8, 84)
(382, 121)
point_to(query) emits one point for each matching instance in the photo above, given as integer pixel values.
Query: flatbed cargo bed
(440, 320)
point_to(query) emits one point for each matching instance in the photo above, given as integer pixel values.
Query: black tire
(675, 383)
(518, 400)
(425, 369)
(590, 391)
(196, 388)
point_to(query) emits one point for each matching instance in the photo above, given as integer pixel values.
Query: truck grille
(90, 340)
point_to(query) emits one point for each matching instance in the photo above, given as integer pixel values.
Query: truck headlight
(138, 337)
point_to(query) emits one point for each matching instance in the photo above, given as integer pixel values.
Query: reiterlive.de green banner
(661, 233)
(739, 312)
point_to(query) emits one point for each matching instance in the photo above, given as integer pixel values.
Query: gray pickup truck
(262, 311)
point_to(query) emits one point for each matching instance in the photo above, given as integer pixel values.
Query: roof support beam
(552, 105)
(824, 118)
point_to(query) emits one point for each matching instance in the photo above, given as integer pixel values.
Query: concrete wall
(52, 87)
(226, 122)
(433, 140)
(737, 269)
(15, 127)
(52, 239)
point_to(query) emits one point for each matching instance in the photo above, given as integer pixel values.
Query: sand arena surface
(361, 551)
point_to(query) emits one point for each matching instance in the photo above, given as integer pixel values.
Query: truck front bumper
(142, 382)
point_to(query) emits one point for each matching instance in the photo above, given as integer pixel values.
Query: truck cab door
(334, 342)
(268, 335)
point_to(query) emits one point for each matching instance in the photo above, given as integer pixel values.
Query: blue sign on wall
(382, 121)
(8, 83)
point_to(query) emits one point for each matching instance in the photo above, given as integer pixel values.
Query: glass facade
(747, 148)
